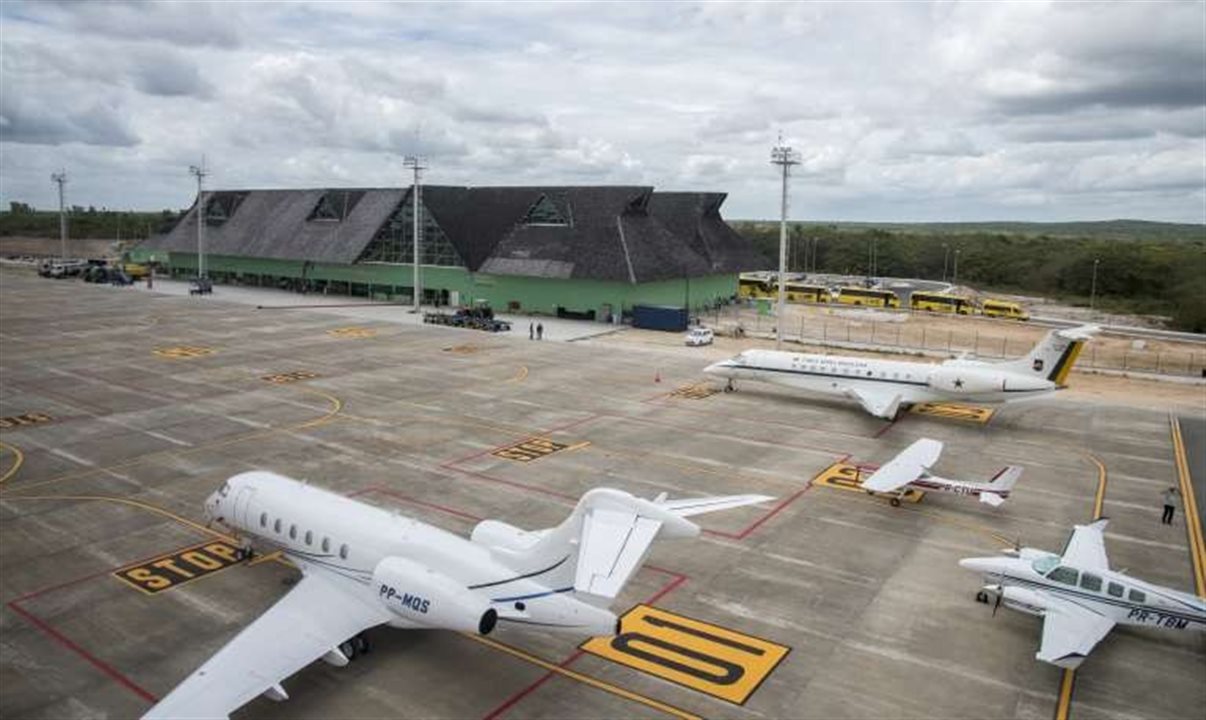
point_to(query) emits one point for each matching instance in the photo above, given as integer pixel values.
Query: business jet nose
(718, 368)
(210, 511)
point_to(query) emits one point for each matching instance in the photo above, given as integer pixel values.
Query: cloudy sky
(900, 111)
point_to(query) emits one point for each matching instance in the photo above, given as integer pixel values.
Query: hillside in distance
(1125, 230)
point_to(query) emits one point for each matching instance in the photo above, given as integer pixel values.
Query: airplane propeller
(997, 605)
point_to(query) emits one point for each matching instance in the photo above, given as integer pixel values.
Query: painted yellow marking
(132, 503)
(1064, 704)
(466, 349)
(708, 658)
(1193, 522)
(520, 375)
(288, 377)
(352, 332)
(176, 568)
(24, 420)
(845, 476)
(955, 411)
(277, 556)
(696, 391)
(585, 679)
(534, 449)
(18, 458)
(183, 352)
(1099, 499)
(1073, 353)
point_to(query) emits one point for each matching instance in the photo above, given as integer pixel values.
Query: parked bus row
(797, 292)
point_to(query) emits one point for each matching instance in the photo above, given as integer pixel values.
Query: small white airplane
(1079, 598)
(363, 566)
(883, 387)
(911, 469)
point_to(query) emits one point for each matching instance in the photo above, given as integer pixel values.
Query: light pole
(200, 172)
(955, 281)
(784, 157)
(415, 163)
(946, 251)
(1093, 286)
(61, 178)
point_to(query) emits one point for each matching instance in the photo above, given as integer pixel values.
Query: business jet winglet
(911, 469)
(363, 566)
(1079, 597)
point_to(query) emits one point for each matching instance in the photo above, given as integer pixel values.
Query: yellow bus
(1003, 309)
(754, 285)
(868, 297)
(939, 302)
(801, 293)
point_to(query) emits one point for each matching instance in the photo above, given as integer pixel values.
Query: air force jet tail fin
(1052, 358)
(618, 529)
(912, 463)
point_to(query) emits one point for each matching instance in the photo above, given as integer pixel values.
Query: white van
(699, 336)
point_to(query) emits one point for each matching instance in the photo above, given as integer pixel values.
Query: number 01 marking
(711, 659)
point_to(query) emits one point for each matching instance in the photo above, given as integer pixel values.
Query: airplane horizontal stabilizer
(687, 507)
(991, 498)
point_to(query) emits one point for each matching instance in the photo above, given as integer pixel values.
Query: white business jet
(883, 387)
(363, 566)
(911, 469)
(1079, 598)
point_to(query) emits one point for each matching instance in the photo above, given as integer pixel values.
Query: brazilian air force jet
(363, 567)
(883, 387)
(1079, 597)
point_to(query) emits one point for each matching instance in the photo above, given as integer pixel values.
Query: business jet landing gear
(981, 597)
(355, 646)
(730, 386)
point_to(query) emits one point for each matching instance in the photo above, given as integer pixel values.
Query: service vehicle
(700, 336)
(868, 297)
(802, 293)
(1003, 309)
(941, 302)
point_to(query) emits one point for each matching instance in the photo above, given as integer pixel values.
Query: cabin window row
(1089, 581)
(278, 527)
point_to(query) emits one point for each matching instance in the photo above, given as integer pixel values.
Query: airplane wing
(1070, 632)
(315, 617)
(615, 540)
(880, 403)
(906, 467)
(1086, 547)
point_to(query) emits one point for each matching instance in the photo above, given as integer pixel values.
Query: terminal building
(585, 252)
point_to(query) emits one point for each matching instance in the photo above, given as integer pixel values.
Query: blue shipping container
(659, 317)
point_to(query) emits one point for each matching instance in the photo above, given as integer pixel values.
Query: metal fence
(981, 342)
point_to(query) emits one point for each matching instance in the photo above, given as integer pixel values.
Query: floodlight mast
(415, 163)
(783, 156)
(61, 178)
(200, 172)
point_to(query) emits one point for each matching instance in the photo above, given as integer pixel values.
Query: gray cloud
(178, 23)
(30, 124)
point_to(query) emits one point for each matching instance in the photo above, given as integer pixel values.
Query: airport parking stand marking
(18, 459)
(24, 420)
(954, 411)
(708, 658)
(354, 333)
(288, 377)
(183, 352)
(181, 566)
(534, 449)
(848, 476)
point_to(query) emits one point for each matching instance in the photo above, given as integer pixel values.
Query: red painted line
(542, 433)
(676, 580)
(511, 483)
(754, 420)
(743, 534)
(889, 426)
(96, 662)
(718, 430)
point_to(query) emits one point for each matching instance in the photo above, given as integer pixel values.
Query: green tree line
(1158, 276)
(24, 221)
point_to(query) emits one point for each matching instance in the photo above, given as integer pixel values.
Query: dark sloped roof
(275, 224)
(620, 233)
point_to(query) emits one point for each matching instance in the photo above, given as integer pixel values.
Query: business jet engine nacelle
(1022, 600)
(422, 597)
(498, 535)
(966, 380)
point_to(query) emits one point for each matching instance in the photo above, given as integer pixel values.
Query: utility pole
(415, 163)
(1093, 287)
(946, 251)
(955, 281)
(61, 178)
(200, 172)
(784, 157)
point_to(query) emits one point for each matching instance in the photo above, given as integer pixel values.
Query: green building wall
(507, 293)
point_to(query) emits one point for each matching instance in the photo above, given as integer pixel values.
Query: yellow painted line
(585, 679)
(133, 503)
(1099, 500)
(1064, 704)
(277, 556)
(19, 458)
(1193, 522)
(521, 375)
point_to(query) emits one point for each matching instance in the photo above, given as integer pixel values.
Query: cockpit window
(223, 490)
(1044, 564)
(1064, 575)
